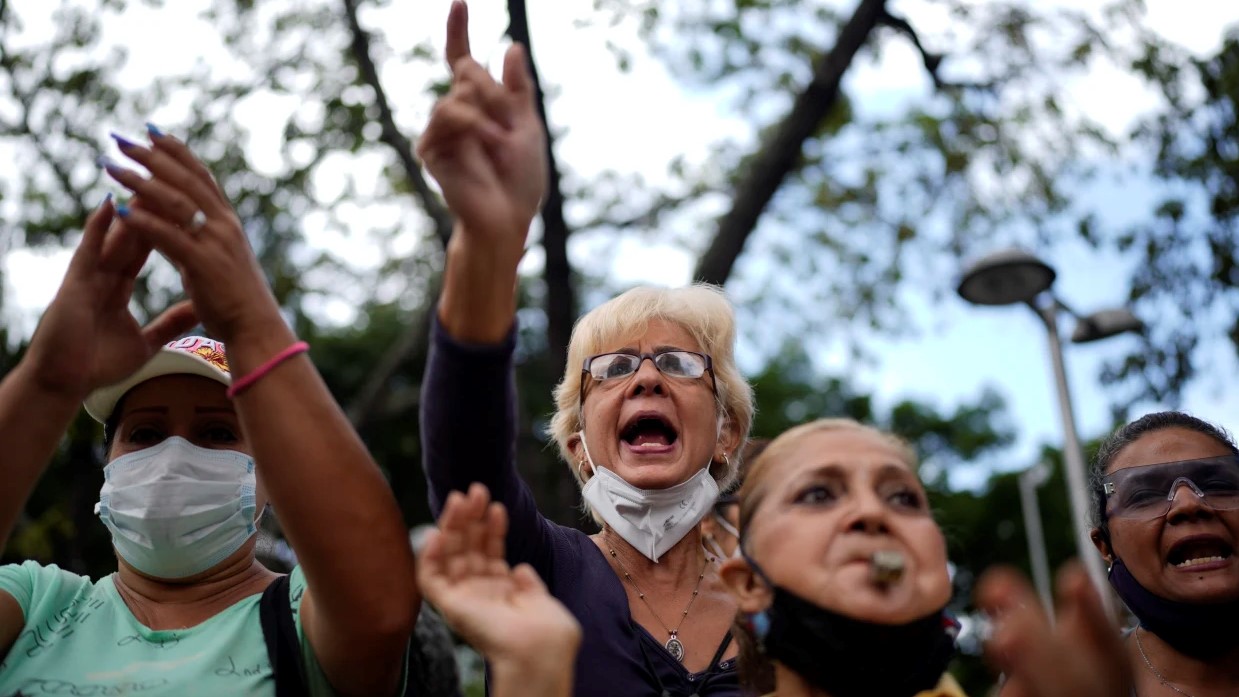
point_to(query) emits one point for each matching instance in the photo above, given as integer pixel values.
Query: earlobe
(1102, 544)
(751, 592)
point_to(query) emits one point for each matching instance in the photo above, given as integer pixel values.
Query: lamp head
(1004, 278)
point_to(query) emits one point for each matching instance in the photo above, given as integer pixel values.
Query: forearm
(32, 422)
(478, 302)
(333, 502)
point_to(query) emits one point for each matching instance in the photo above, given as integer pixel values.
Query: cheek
(935, 579)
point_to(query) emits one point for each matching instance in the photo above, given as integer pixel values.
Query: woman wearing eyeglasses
(650, 415)
(1166, 493)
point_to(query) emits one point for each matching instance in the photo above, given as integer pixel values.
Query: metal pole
(1029, 480)
(1073, 459)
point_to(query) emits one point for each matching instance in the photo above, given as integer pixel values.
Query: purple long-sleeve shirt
(468, 428)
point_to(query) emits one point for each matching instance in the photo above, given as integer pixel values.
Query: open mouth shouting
(1200, 553)
(649, 433)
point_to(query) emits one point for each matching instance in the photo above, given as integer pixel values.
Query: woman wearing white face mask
(198, 442)
(651, 410)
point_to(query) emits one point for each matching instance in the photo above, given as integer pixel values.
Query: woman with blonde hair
(843, 584)
(651, 411)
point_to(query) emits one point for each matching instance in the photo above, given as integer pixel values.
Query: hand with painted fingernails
(506, 613)
(88, 338)
(1081, 654)
(185, 215)
(486, 146)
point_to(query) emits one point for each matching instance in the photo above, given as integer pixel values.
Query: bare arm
(335, 506)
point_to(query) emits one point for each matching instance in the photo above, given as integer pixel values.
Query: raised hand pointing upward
(486, 147)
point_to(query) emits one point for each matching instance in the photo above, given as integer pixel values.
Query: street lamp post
(1016, 277)
(1029, 480)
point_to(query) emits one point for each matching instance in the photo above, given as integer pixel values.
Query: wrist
(45, 386)
(548, 671)
(478, 302)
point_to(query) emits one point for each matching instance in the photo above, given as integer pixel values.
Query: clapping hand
(1082, 655)
(88, 338)
(505, 613)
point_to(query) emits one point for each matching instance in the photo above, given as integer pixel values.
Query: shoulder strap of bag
(275, 612)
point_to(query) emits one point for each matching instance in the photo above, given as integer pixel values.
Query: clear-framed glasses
(675, 363)
(1146, 492)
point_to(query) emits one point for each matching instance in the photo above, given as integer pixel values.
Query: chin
(653, 476)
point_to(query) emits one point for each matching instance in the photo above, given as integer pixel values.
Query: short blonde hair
(753, 491)
(703, 311)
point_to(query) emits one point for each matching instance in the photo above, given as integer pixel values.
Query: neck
(1219, 675)
(682, 563)
(238, 572)
(788, 683)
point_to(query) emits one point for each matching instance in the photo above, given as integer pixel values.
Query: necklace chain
(674, 646)
(1156, 673)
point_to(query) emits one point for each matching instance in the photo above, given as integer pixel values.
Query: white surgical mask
(175, 509)
(651, 520)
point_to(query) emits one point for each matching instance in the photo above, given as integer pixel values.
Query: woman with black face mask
(842, 584)
(1166, 495)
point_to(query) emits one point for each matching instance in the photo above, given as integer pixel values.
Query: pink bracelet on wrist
(242, 384)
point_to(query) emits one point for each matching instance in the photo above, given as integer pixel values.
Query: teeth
(1199, 560)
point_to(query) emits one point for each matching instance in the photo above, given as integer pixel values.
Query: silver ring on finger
(197, 221)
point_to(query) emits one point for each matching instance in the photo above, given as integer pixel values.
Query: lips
(649, 430)
(1198, 551)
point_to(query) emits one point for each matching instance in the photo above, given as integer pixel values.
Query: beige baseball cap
(192, 355)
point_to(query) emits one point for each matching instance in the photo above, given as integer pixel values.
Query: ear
(751, 592)
(574, 445)
(729, 439)
(1102, 544)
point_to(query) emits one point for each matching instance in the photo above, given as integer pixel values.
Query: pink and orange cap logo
(208, 350)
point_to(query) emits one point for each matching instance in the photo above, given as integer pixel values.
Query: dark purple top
(468, 433)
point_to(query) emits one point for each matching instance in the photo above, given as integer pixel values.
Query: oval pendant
(675, 648)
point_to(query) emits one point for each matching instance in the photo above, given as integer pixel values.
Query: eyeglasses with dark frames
(674, 363)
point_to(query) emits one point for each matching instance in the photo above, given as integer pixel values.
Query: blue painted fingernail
(153, 130)
(122, 210)
(106, 162)
(122, 141)
(105, 200)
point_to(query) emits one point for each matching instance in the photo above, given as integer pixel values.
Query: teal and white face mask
(175, 509)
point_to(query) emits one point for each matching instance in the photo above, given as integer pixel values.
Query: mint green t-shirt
(81, 640)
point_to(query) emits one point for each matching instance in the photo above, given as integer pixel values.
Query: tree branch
(560, 294)
(780, 155)
(359, 46)
(932, 61)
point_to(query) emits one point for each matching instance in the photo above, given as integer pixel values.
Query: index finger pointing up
(457, 32)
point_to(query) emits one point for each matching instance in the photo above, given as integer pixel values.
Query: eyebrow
(836, 469)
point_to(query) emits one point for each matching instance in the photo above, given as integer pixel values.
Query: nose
(868, 515)
(1186, 504)
(647, 380)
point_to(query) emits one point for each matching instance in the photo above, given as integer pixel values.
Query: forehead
(173, 391)
(655, 332)
(854, 452)
(1167, 445)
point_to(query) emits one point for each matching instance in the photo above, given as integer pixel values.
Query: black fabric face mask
(847, 657)
(1196, 629)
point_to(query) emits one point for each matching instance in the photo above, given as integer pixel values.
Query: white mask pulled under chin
(651, 520)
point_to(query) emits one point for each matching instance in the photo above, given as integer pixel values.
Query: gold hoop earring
(580, 471)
